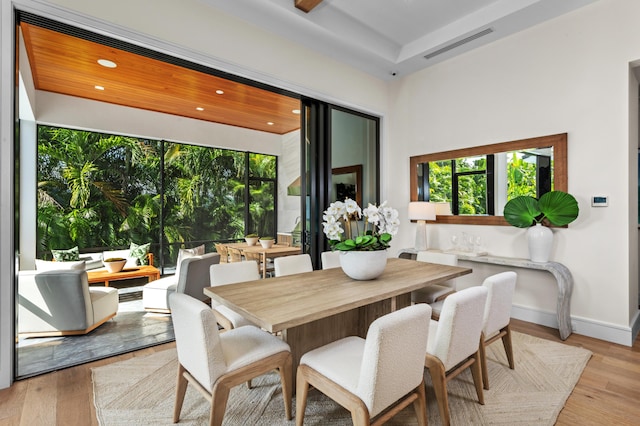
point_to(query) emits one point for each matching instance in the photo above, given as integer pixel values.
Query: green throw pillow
(68, 255)
(140, 252)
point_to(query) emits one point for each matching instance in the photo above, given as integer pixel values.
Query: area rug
(140, 391)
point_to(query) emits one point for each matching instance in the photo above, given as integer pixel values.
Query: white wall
(570, 75)
(288, 172)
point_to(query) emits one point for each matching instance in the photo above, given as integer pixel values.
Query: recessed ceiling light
(99, 87)
(220, 92)
(269, 123)
(200, 108)
(295, 111)
(107, 63)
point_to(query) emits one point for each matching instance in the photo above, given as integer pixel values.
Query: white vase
(363, 265)
(540, 240)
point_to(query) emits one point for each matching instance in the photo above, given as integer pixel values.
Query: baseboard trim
(599, 330)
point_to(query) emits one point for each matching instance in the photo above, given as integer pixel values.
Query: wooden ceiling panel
(68, 65)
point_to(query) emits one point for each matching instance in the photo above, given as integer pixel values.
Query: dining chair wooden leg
(219, 398)
(181, 389)
(439, 380)
(505, 335)
(302, 389)
(483, 362)
(420, 405)
(508, 347)
(286, 374)
(477, 377)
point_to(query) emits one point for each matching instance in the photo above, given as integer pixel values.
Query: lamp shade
(422, 210)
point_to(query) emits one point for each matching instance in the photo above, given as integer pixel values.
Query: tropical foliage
(472, 181)
(555, 208)
(97, 190)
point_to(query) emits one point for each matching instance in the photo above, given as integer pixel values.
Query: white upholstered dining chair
(215, 362)
(330, 259)
(231, 273)
(435, 292)
(373, 378)
(289, 265)
(454, 342)
(497, 317)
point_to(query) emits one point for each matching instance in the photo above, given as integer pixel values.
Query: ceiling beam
(306, 5)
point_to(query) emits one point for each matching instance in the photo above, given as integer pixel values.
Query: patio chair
(222, 250)
(215, 362)
(235, 255)
(61, 303)
(193, 278)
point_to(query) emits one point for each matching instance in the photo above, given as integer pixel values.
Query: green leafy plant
(555, 208)
(380, 224)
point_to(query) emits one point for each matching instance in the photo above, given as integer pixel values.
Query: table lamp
(421, 211)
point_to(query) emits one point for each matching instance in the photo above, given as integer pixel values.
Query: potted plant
(251, 239)
(267, 242)
(555, 208)
(114, 264)
(364, 245)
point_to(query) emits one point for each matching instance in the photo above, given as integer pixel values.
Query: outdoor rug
(140, 391)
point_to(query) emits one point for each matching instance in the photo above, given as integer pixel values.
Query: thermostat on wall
(599, 201)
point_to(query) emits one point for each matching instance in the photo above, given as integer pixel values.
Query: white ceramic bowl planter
(363, 265)
(267, 243)
(114, 264)
(251, 241)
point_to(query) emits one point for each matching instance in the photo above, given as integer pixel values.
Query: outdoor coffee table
(151, 272)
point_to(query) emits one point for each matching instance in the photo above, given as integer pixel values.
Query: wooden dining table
(277, 250)
(319, 307)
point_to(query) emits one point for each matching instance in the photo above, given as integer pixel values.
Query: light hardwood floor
(607, 393)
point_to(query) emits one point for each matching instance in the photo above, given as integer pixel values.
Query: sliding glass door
(340, 159)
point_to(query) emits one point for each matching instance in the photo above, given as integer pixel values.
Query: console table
(558, 270)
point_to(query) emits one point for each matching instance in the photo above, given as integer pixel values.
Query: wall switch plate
(599, 201)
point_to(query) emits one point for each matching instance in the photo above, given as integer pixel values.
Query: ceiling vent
(459, 43)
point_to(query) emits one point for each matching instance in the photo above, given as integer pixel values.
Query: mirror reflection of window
(482, 184)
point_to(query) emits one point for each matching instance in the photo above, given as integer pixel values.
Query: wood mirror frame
(558, 142)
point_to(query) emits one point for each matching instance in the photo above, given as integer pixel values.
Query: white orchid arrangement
(342, 226)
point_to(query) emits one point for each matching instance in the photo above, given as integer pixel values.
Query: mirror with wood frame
(475, 183)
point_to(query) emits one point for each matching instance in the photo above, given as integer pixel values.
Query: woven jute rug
(140, 391)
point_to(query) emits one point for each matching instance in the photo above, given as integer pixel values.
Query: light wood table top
(102, 275)
(283, 302)
(319, 307)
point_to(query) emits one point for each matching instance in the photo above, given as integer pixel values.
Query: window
(101, 191)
